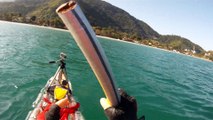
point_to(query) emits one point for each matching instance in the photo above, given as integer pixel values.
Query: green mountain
(105, 15)
(101, 15)
(106, 19)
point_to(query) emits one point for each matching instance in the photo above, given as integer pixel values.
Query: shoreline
(33, 25)
(153, 47)
(105, 37)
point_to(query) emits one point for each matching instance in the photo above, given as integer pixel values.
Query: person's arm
(126, 110)
(54, 112)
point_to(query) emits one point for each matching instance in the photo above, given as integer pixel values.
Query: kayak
(56, 88)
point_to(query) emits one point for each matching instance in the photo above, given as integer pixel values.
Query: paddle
(82, 32)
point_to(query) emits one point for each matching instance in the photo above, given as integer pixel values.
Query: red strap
(47, 100)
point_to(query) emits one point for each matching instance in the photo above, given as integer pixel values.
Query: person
(126, 110)
(53, 111)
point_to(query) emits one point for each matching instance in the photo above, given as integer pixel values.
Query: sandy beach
(59, 29)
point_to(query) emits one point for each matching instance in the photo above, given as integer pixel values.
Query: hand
(126, 110)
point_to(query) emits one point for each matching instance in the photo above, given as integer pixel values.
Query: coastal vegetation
(106, 19)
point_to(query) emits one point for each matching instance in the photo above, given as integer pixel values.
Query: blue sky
(192, 19)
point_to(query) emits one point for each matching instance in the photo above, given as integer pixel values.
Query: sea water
(167, 86)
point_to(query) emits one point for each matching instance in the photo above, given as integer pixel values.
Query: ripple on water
(6, 101)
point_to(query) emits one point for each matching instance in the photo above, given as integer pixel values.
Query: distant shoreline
(59, 29)
(152, 47)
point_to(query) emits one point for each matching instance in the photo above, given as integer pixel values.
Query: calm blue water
(167, 86)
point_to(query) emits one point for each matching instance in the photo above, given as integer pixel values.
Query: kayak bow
(53, 90)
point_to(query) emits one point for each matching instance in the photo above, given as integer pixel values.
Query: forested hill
(102, 15)
(105, 15)
(106, 19)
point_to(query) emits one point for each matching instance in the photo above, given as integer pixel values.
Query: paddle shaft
(83, 34)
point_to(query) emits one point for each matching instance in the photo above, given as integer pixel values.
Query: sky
(191, 19)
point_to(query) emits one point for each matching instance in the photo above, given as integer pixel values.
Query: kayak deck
(48, 96)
